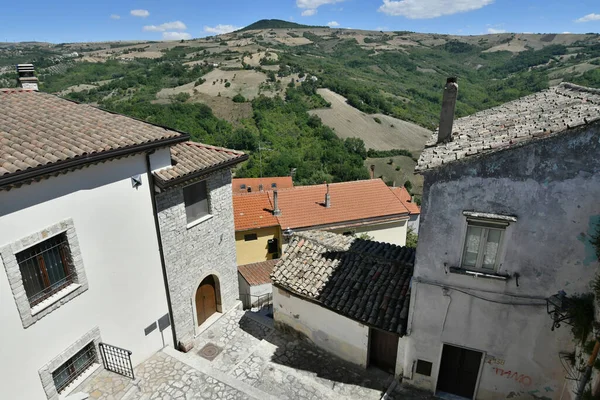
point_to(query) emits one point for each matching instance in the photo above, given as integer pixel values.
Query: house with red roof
(265, 220)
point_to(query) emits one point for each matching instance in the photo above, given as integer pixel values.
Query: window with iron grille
(74, 367)
(46, 268)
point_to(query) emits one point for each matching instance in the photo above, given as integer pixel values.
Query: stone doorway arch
(207, 299)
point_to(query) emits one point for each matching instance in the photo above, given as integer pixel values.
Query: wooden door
(206, 300)
(459, 370)
(383, 350)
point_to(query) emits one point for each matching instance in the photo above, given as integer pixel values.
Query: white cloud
(314, 4)
(220, 29)
(332, 24)
(309, 12)
(494, 30)
(176, 36)
(167, 26)
(589, 17)
(140, 13)
(421, 9)
(115, 16)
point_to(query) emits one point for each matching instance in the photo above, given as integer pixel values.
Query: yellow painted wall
(255, 250)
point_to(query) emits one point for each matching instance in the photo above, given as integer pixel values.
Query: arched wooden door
(206, 300)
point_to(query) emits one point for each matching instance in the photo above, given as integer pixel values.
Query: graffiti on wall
(514, 375)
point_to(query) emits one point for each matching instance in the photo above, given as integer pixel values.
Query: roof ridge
(578, 88)
(348, 246)
(209, 146)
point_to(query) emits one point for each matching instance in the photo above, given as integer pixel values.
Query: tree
(411, 238)
(408, 186)
(238, 98)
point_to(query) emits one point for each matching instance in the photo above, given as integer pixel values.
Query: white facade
(332, 332)
(341, 336)
(114, 227)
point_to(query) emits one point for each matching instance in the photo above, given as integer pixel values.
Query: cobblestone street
(242, 357)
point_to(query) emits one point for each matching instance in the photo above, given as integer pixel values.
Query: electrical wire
(512, 303)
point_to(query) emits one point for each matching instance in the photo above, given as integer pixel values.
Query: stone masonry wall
(202, 250)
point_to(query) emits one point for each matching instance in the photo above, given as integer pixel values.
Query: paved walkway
(242, 357)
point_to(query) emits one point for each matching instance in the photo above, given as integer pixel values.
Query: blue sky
(97, 20)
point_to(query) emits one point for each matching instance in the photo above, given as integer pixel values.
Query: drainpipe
(160, 246)
(588, 372)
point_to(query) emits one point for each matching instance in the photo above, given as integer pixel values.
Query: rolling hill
(291, 88)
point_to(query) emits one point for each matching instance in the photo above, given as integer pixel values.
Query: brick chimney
(372, 171)
(276, 210)
(26, 78)
(447, 115)
(327, 198)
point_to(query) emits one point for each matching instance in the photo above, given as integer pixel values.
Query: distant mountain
(277, 24)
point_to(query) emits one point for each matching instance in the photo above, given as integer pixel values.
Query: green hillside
(265, 82)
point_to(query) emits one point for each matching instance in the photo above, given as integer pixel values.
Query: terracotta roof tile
(257, 273)
(37, 129)
(364, 280)
(252, 211)
(280, 182)
(192, 158)
(303, 206)
(535, 116)
(402, 194)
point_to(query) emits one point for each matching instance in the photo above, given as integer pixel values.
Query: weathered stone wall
(552, 186)
(192, 254)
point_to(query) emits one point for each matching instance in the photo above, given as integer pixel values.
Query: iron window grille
(74, 367)
(46, 268)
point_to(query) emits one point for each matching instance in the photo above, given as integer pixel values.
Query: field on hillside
(389, 133)
(399, 171)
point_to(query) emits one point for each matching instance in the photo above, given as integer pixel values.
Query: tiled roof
(535, 116)
(257, 273)
(361, 279)
(190, 159)
(402, 194)
(303, 206)
(281, 182)
(252, 211)
(39, 130)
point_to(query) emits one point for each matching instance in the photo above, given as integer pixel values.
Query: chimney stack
(372, 170)
(327, 198)
(447, 115)
(26, 78)
(276, 210)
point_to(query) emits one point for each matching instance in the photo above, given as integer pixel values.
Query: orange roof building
(353, 203)
(365, 207)
(413, 208)
(248, 185)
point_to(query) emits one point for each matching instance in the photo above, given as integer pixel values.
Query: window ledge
(54, 298)
(199, 221)
(64, 395)
(479, 274)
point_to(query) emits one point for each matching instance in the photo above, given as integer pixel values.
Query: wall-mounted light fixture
(560, 308)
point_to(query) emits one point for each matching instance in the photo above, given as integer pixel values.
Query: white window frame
(486, 221)
(197, 221)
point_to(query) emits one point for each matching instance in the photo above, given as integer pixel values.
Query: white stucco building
(81, 262)
(348, 296)
(510, 202)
